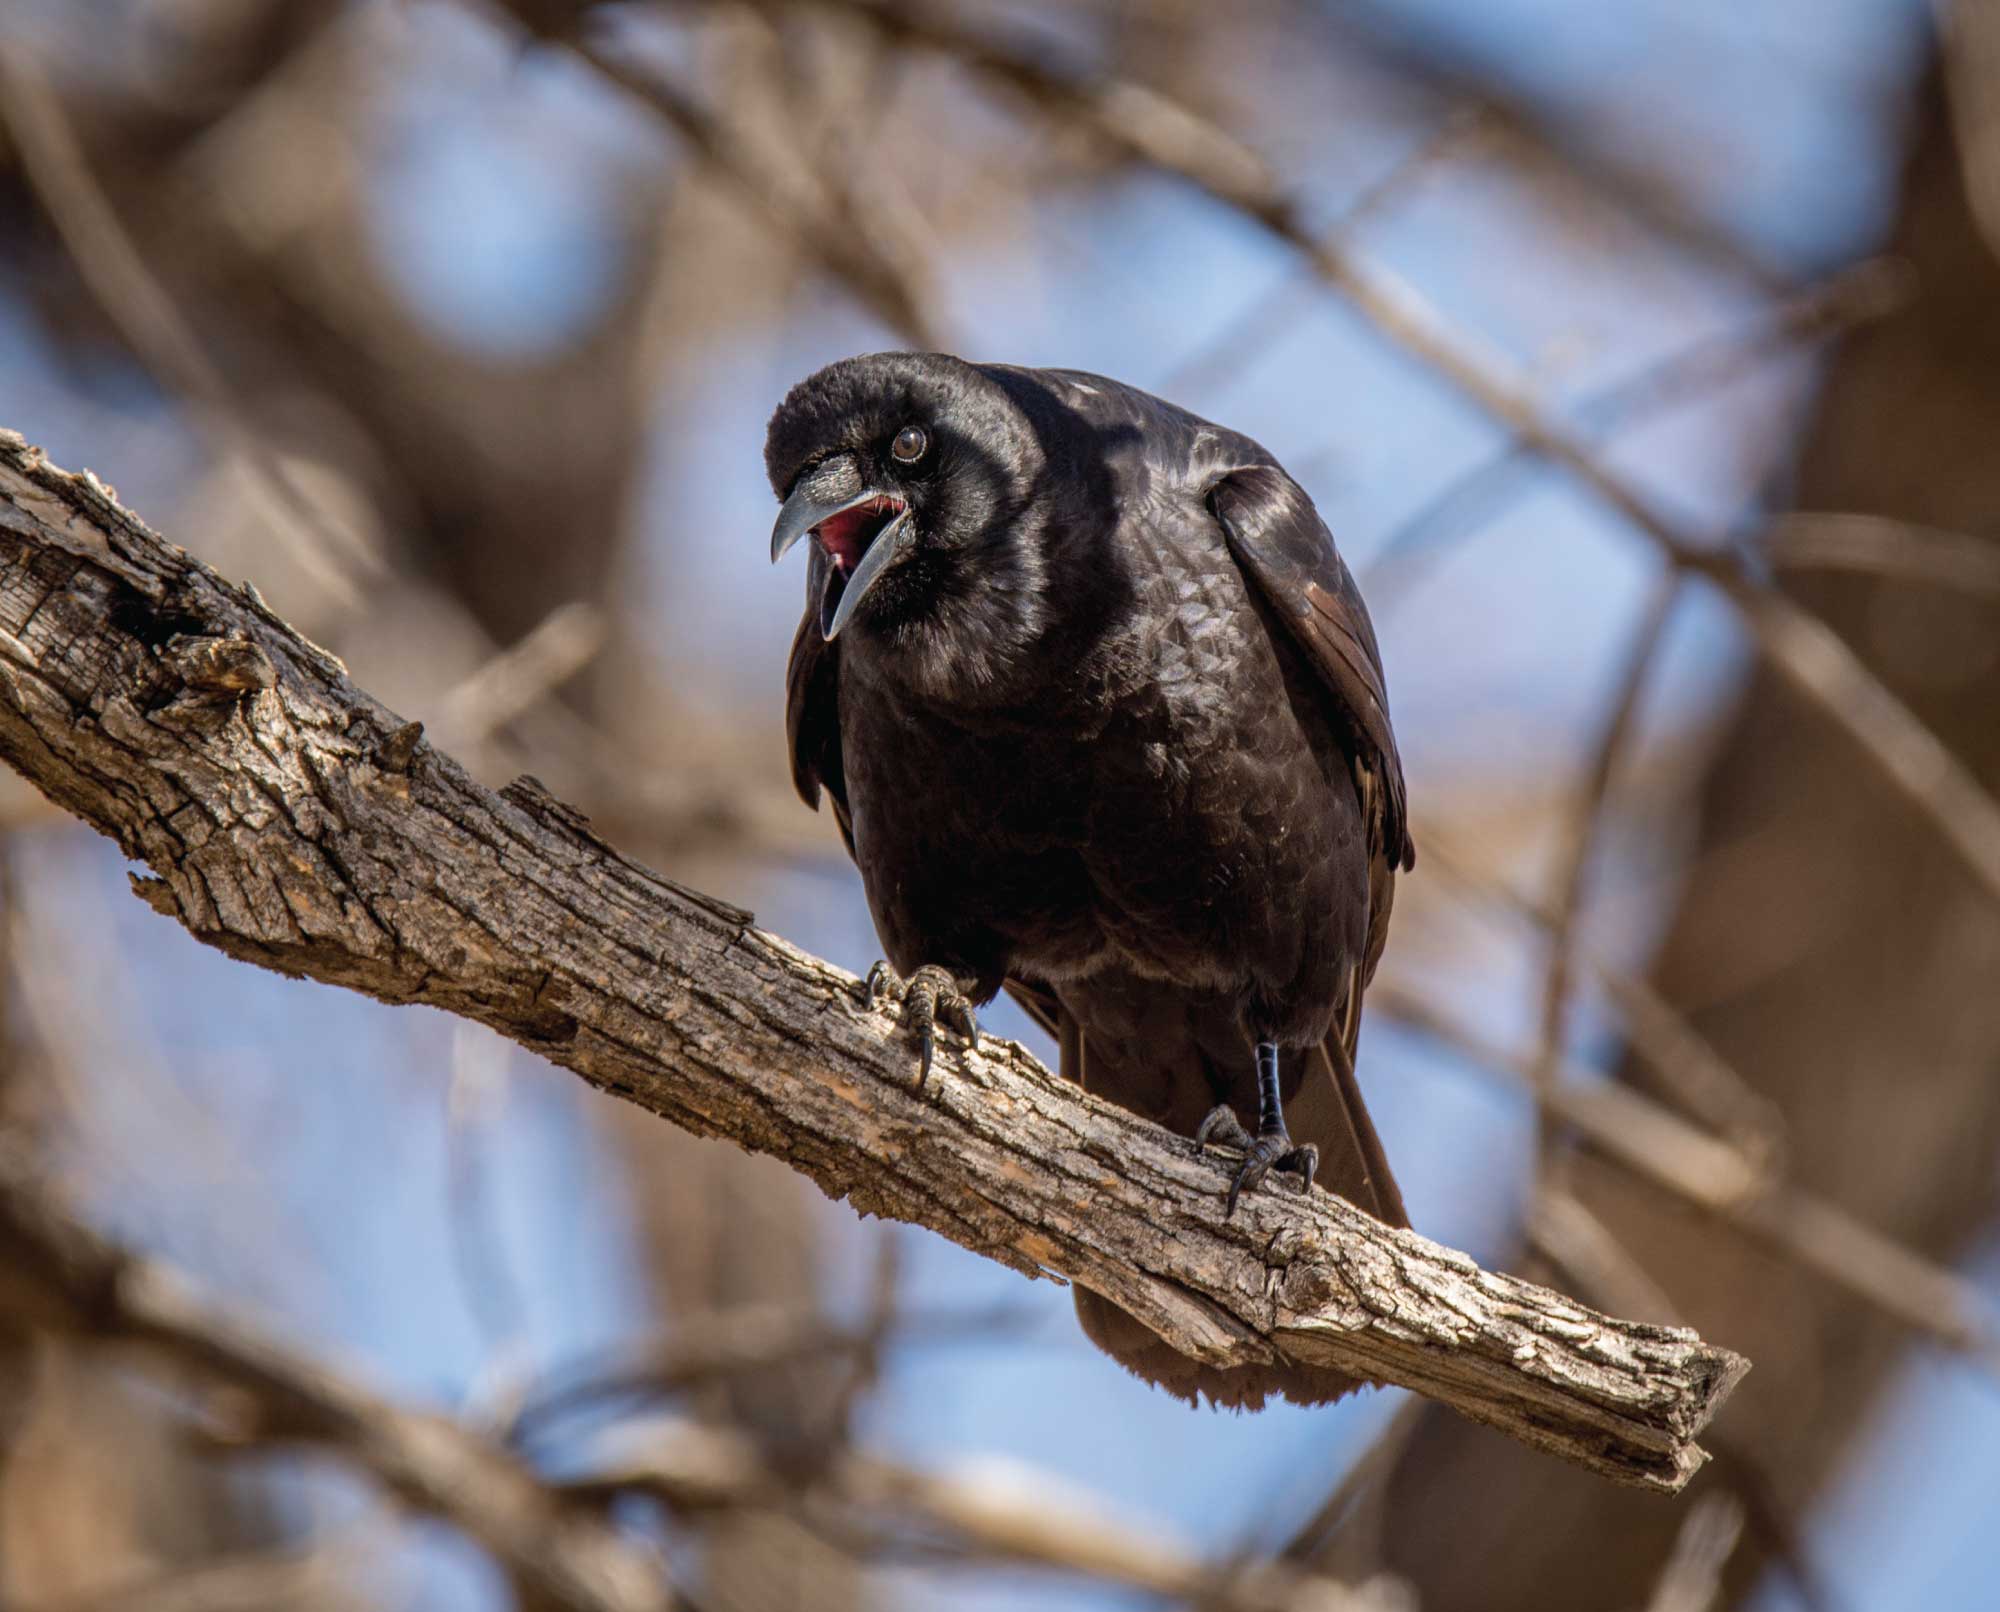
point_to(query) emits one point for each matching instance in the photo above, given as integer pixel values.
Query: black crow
(1102, 718)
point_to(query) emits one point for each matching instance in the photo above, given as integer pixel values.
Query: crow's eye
(909, 444)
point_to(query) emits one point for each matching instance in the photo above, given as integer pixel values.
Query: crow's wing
(812, 720)
(1285, 549)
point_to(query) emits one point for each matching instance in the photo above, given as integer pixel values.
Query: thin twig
(993, 1511)
(1573, 1238)
(340, 561)
(1268, 319)
(1867, 291)
(1691, 1581)
(479, 1256)
(545, 657)
(298, 1580)
(1881, 546)
(793, 200)
(737, 1342)
(1580, 835)
(1313, 1539)
(1684, 1063)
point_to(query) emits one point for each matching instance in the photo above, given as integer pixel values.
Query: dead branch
(292, 821)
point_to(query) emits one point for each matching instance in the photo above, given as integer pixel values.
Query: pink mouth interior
(845, 536)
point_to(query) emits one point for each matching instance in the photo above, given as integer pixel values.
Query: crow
(1103, 722)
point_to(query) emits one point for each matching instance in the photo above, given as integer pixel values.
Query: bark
(292, 821)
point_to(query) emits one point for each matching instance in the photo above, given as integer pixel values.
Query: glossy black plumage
(1112, 734)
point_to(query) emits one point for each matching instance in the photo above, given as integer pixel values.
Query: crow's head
(916, 476)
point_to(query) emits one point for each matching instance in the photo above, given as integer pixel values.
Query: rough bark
(292, 821)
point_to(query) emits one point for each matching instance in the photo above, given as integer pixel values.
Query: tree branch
(292, 821)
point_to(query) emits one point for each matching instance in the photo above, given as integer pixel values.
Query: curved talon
(928, 993)
(1261, 1154)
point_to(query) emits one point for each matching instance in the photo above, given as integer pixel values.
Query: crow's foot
(1261, 1154)
(929, 996)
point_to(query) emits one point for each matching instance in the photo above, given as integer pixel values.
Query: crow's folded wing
(812, 721)
(1285, 549)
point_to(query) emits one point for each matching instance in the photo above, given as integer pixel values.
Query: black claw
(926, 996)
(1268, 1153)
(1261, 1154)
(958, 1013)
(1271, 1148)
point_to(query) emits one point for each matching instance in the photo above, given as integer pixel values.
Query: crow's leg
(1271, 1148)
(929, 995)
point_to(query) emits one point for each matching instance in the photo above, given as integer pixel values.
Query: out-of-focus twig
(63, 1277)
(298, 1580)
(565, 641)
(736, 1342)
(1691, 1581)
(992, 1511)
(1572, 1237)
(1267, 320)
(338, 559)
(1660, 1147)
(1548, 137)
(1971, 51)
(1683, 1062)
(479, 1255)
(793, 198)
(1881, 546)
(1866, 291)
(1579, 841)
(1312, 1541)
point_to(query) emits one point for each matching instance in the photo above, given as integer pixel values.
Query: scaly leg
(1271, 1148)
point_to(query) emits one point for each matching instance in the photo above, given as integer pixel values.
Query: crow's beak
(830, 488)
(889, 547)
(861, 534)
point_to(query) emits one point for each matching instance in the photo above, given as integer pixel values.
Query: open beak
(858, 534)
